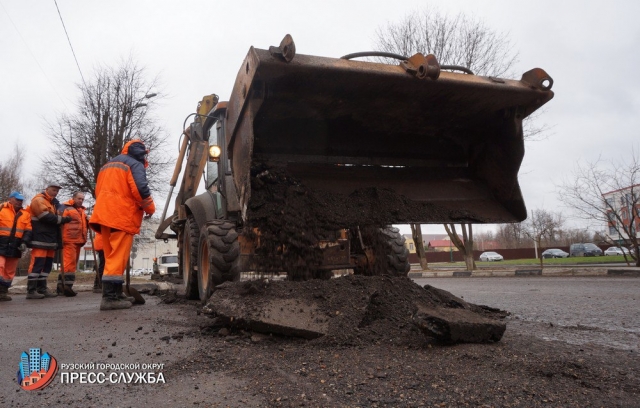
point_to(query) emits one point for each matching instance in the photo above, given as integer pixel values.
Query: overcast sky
(196, 47)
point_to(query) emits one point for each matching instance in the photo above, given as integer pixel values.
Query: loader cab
(218, 180)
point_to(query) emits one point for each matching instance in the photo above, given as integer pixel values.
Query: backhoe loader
(313, 159)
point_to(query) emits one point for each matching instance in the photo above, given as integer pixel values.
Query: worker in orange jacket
(122, 198)
(74, 236)
(46, 238)
(98, 256)
(15, 227)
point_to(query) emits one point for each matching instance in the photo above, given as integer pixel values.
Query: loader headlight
(214, 153)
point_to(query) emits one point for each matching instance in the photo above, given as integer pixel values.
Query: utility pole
(535, 234)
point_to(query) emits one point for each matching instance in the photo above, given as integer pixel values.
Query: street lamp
(139, 104)
(142, 104)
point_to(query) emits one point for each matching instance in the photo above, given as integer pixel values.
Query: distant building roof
(439, 243)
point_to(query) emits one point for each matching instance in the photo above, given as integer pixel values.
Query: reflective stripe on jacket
(14, 228)
(45, 222)
(74, 232)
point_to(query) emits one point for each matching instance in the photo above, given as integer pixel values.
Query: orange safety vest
(45, 222)
(122, 191)
(14, 226)
(74, 232)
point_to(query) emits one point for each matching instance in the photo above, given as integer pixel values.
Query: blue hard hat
(16, 195)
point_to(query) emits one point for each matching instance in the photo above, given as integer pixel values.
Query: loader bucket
(449, 149)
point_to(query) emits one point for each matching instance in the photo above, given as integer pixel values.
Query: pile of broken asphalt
(355, 310)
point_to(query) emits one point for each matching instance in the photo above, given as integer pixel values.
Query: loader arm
(194, 147)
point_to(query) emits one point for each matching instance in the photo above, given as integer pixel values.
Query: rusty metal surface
(422, 67)
(286, 50)
(343, 125)
(335, 253)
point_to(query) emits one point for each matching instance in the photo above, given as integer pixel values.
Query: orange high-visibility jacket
(45, 222)
(74, 232)
(14, 228)
(122, 191)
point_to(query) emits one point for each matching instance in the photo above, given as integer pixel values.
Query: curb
(623, 272)
(630, 272)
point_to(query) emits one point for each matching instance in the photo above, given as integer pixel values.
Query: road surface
(202, 367)
(577, 310)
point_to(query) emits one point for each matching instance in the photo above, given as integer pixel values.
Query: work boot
(32, 285)
(97, 287)
(4, 293)
(60, 289)
(122, 295)
(110, 299)
(69, 292)
(44, 290)
(66, 290)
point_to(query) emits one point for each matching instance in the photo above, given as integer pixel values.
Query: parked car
(491, 256)
(588, 249)
(554, 253)
(616, 251)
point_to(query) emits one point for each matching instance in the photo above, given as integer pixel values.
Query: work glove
(22, 247)
(149, 207)
(65, 220)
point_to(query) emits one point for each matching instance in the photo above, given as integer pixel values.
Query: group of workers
(122, 199)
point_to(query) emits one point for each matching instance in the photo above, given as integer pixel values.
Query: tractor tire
(397, 254)
(218, 255)
(189, 258)
(391, 255)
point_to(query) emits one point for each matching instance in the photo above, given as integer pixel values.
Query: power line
(32, 55)
(68, 39)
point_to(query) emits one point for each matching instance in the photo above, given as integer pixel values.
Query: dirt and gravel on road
(211, 363)
(380, 359)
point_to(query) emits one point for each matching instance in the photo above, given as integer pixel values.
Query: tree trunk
(468, 246)
(465, 246)
(539, 243)
(416, 231)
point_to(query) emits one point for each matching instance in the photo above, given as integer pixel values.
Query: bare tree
(454, 40)
(482, 238)
(114, 108)
(464, 245)
(608, 193)
(542, 224)
(511, 235)
(566, 237)
(416, 231)
(11, 173)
